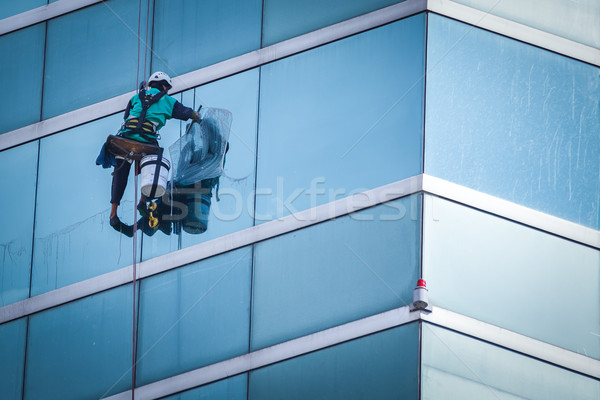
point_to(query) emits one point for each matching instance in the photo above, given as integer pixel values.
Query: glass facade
(472, 369)
(513, 120)
(235, 285)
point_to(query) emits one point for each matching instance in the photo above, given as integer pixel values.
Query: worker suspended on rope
(146, 113)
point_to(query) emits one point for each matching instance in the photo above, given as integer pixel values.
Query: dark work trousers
(119, 181)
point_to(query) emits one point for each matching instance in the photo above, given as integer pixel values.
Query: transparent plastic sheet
(199, 154)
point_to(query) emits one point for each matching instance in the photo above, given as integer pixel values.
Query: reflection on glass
(513, 120)
(379, 366)
(194, 316)
(517, 278)
(73, 238)
(228, 389)
(471, 369)
(12, 358)
(341, 118)
(284, 19)
(335, 272)
(18, 178)
(21, 75)
(191, 35)
(81, 350)
(91, 55)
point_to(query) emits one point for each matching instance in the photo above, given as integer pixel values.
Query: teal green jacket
(158, 113)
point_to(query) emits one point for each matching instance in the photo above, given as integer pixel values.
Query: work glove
(195, 116)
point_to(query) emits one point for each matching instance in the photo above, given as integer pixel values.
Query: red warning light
(421, 283)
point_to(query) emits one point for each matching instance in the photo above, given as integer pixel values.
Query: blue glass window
(12, 358)
(82, 349)
(194, 316)
(285, 19)
(380, 366)
(513, 120)
(471, 369)
(10, 8)
(19, 166)
(73, 238)
(341, 118)
(512, 276)
(335, 272)
(191, 35)
(21, 76)
(91, 55)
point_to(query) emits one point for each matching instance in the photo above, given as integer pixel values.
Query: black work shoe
(118, 226)
(143, 209)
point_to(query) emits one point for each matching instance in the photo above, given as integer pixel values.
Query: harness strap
(147, 101)
(156, 173)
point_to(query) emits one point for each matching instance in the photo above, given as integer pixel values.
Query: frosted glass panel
(335, 272)
(471, 369)
(513, 120)
(284, 19)
(19, 166)
(578, 20)
(512, 276)
(380, 366)
(194, 316)
(340, 119)
(12, 358)
(81, 350)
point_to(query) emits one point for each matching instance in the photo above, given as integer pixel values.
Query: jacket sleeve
(181, 112)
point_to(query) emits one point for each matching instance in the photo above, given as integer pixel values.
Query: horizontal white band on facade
(300, 220)
(512, 211)
(515, 30)
(357, 329)
(514, 341)
(212, 248)
(273, 354)
(302, 43)
(41, 14)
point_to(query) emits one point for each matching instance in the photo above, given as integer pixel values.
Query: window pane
(341, 118)
(513, 120)
(228, 389)
(471, 369)
(191, 35)
(12, 358)
(19, 166)
(82, 349)
(73, 238)
(91, 55)
(576, 20)
(194, 316)
(285, 19)
(21, 76)
(517, 277)
(335, 272)
(231, 204)
(10, 8)
(380, 366)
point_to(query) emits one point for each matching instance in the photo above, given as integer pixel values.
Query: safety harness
(139, 125)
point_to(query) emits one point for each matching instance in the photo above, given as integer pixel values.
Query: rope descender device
(152, 220)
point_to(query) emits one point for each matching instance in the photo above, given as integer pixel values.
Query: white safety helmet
(159, 76)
